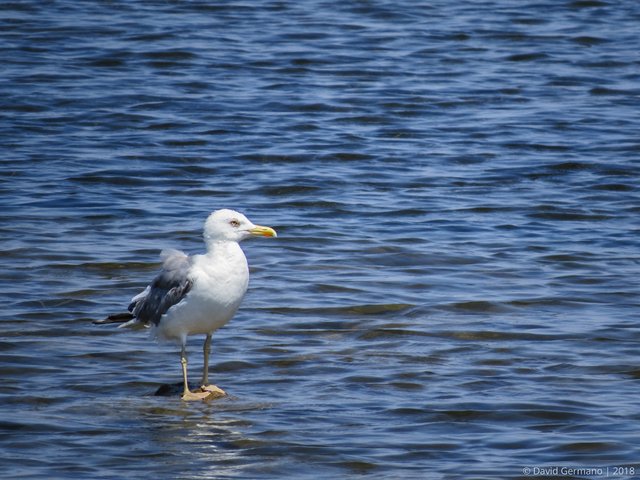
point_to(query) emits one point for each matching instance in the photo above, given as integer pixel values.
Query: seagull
(197, 295)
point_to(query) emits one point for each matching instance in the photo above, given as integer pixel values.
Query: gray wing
(168, 288)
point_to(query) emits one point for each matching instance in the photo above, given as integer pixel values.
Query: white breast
(220, 280)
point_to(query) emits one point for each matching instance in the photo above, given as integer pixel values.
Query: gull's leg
(205, 372)
(207, 351)
(188, 394)
(183, 362)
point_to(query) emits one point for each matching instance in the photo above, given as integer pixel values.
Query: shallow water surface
(454, 289)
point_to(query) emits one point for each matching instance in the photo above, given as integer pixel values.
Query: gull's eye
(234, 223)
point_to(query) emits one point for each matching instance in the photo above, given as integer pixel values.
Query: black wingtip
(115, 318)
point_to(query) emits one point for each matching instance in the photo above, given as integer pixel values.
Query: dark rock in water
(169, 390)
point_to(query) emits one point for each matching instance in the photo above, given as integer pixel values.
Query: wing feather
(168, 288)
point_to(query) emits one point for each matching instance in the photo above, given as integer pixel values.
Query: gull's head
(229, 225)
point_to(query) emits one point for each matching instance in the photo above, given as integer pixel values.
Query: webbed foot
(197, 395)
(214, 391)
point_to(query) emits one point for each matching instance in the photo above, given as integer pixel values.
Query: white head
(231, 226)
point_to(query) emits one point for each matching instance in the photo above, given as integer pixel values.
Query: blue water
(454, 290)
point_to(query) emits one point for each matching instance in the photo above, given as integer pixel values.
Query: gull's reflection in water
(201, 439)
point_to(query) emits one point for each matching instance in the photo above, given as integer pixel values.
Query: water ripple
(453, 292)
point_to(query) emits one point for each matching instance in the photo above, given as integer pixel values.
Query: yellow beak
(260, 231)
